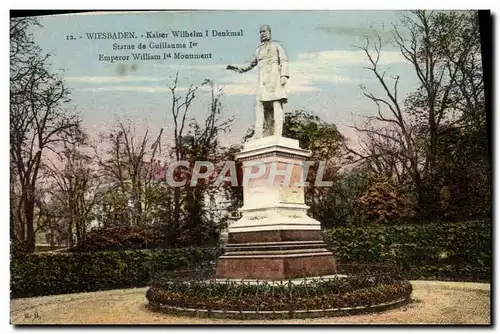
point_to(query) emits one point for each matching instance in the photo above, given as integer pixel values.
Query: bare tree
(436, 73)
(404, 137)
(204, 145)
(179, 109)
(194, 141)
(129, 166)
(74, 190)
(389, 144)
(38, 122)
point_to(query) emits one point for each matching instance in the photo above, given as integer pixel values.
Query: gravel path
(433, 303)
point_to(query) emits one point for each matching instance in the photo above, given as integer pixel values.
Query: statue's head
(265, 33)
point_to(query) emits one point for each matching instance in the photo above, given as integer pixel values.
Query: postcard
(250, 167)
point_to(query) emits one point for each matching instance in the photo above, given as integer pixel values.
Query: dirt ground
(433, 303)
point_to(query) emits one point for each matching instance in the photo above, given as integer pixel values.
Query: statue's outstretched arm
(252, 64)
(245, 68)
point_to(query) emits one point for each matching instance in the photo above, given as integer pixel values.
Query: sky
(326, 64)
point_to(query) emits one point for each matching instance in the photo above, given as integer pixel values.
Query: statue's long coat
(273, 64)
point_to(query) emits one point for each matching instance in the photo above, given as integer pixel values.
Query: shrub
(383, 203)
(339, 292)
(38, 274)
(441, 250)
(119, 237)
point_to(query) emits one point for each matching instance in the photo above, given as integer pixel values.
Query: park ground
(433, 303)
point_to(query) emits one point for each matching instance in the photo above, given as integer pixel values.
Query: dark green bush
(457, 251)
(340, 292)
(56, 273)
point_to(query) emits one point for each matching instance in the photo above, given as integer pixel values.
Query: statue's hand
(284, 80)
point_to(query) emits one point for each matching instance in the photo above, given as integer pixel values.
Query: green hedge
(455, 251)
(447, 251)
(57, 273)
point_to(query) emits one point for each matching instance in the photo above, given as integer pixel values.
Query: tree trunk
(177, 213)
(30, 230)
(52, 243)
(70, 233)
(78, 232)
(22, 222)
(13, 236)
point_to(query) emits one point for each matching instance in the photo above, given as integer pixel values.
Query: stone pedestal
(274, 239)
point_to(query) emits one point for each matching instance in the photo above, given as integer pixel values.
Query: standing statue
(273, 76)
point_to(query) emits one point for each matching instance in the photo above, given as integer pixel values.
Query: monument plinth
(274, 239)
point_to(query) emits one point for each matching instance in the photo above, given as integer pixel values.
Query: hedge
(446, 251)
(39, 274)
(449, 251)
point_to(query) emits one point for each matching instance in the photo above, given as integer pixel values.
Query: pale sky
(326, 67)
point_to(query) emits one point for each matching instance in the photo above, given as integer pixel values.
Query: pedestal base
(279, 268)
(275, 255)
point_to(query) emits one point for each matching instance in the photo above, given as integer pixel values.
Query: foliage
(325, 142)
(450, 272)
(346, 208)
(35, 274)
(447, 249)
(120, 237)
(17, 247)
(323, 139)
(340, 292)
(383, 203)
(465, 174)
(433, 142)
(312, 133)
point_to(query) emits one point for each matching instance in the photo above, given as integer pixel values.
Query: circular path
(433, 303)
